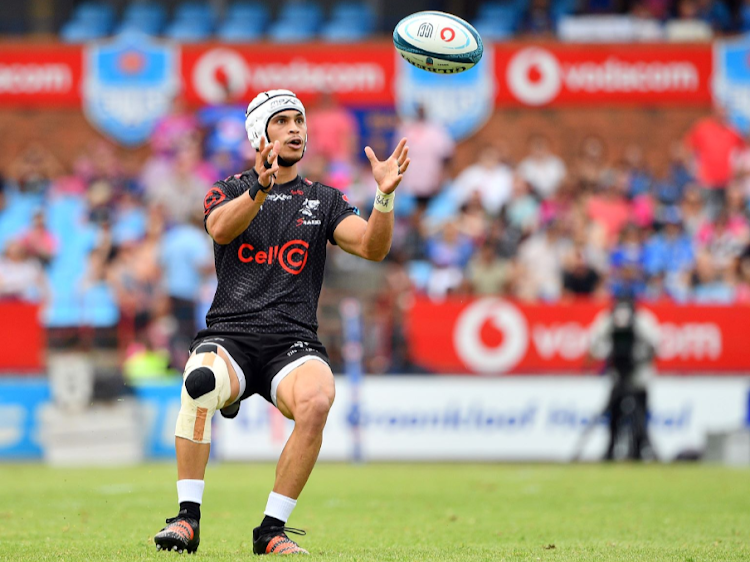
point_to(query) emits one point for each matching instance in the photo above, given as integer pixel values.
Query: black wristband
(256, 187)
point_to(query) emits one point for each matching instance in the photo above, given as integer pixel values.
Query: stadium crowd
(112, 246)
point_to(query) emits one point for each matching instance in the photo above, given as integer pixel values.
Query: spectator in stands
(608, 208)
(561, 204)
(171, 129)
(542, 169)
(473, 220)
(431, 151)
(505, 240)
(411, 242)
(21, 276)
(487, 273)
(715, 13)
(709, 285)
(692, 210)
(34, 169)
(579, 278)
(176, 184)
(38, 241)
(538, 19)
(668, 256)
(489, 177)
(540, 264)
(629, 248)
(223, 126)
(723, 239)
(449, 251)
(627, 279)
(136, 280)
(742, 290)
(185, 257)
(522, 210)
(713, 142)
(637, 170)
(340, 144)
(591, 167)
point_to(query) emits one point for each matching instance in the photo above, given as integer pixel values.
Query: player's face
(290, 129)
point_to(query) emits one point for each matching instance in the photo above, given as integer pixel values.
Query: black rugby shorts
(263, 356)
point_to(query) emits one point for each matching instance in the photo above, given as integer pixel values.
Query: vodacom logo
(292, 256)
(216, 72)
(497, 315)
(534, 76)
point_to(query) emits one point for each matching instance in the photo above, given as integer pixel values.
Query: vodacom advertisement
(366, 74)
(492, 336)
(359, 74)
(604, 75)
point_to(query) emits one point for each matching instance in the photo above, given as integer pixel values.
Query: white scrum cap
(264, 106)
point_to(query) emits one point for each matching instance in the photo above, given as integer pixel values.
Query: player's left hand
(389, 173)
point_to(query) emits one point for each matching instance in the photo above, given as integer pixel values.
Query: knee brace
(205, 389)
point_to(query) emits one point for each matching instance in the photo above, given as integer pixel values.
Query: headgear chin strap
(260, 111)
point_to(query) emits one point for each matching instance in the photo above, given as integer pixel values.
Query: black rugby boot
(182, 533)
(273, 540)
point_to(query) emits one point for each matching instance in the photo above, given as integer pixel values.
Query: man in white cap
(270, 229)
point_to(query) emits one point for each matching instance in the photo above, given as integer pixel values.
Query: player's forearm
(229, 221)
(376, 242)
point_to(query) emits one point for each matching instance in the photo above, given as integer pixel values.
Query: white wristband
(384, 201)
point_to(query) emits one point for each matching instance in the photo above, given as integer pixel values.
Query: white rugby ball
(438, 42)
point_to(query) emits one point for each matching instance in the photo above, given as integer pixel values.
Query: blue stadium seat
(188, 31)
(302, 13)
(81, 32)
(239, 31)
(247, 11)
(64, 310)
(143, 17)
(288, 32)
(342, 32)
(500, 10)
(494, 29)
(99, 306)
(94, 13)
(145, 27)
(193, 10)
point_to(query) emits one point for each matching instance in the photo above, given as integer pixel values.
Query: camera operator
(626, 338)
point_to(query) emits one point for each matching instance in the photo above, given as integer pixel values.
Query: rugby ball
(438, 42)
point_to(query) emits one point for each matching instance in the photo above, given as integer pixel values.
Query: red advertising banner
(493, 336)
(614, 75)
(40, 75)
(22, 341)
(552, 74)
(357, 74)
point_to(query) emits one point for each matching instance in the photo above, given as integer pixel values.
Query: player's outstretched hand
(266, 163)
(388, 173)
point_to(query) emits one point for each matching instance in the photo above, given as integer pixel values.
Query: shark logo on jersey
(309, 206)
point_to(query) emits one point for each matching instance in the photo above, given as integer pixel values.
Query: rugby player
(270, 229)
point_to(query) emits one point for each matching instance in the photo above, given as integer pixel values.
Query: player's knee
(206, 388)
(313, 410)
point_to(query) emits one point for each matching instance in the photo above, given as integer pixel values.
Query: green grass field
(392, 512)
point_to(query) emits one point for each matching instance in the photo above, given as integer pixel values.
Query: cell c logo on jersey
(534, 76)
(447, 34)
(500, 316)
(291, 256)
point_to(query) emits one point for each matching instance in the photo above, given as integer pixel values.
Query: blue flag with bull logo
(130, 84)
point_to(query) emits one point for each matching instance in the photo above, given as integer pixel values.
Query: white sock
(190, 491)
(279, 507)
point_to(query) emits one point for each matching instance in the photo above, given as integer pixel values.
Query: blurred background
(599, 150)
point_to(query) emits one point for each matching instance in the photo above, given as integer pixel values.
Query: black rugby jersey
(270, 276)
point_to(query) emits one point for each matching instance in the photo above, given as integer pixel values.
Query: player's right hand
(270, 154)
